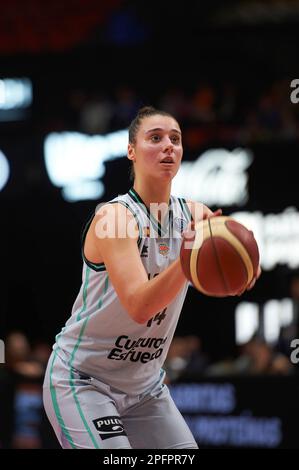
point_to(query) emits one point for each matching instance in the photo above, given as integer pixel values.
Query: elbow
(138, 311)
(140, 320)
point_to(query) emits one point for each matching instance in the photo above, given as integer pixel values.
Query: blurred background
(72, 77)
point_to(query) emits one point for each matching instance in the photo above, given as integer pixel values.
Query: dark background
(149, 48)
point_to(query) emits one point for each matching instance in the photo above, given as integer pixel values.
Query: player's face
(158, 149)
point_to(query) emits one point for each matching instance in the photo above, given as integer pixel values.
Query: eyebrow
(160, 129)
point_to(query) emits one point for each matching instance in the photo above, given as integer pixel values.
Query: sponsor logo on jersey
(109, 426)
(163, 249)
(126, 349)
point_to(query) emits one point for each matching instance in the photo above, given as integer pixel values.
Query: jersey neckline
(161, 229)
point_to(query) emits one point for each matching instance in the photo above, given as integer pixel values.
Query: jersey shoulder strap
(121, 200)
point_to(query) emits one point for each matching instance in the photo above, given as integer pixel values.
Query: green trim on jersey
(71, 380)
(188, 212)
(185, 208)
(161, 230)
(104, 291)
(84, 293)
(100, 267)
(56, 407)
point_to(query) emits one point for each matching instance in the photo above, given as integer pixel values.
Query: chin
(167, 175)
(170, 174)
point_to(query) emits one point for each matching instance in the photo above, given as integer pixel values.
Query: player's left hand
(205, 216)
(214, 214)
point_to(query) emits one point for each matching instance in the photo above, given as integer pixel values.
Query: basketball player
(104, 385)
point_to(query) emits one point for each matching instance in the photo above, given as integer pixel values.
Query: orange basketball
(220, 257)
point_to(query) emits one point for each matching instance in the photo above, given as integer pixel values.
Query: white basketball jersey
(100, 338)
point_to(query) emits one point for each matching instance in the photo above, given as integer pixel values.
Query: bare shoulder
(113, 225)
(114, 220)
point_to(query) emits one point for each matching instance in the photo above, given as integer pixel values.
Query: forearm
(153, 296)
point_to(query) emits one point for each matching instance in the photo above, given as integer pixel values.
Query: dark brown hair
(145, 111)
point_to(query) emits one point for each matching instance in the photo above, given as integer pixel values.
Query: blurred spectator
(41, 352)
(202, 105)
(220, 112)
(185, 358)
(7, 390)
(291, 331)
(18, 356)
(256, 357)
(174, 102)
(261, 358)
(28, 372)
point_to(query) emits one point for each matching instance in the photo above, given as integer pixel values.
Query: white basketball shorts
(86, 413)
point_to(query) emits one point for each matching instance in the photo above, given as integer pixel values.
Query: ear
(131, 153)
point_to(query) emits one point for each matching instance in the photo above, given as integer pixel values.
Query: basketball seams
(217, 258)
(193, 261)
(234, 241)
(238, 246)
(204, 234)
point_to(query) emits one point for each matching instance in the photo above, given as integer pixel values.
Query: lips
(167, 160)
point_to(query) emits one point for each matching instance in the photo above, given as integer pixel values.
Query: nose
(168, 147)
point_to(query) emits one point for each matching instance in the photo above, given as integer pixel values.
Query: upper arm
(199, 210)
(114, 233)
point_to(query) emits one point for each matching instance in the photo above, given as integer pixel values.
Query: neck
(155, 196)
(152, 192)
